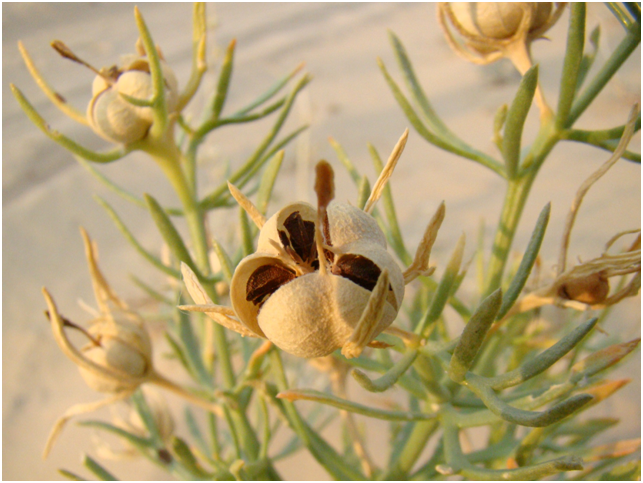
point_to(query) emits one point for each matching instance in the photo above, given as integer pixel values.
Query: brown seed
(358, 269)
(592, 289)
(265, 280)
(302, 237)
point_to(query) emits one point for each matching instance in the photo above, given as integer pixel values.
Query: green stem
(515, 198)
(618, 57)
(167, 155)
(412, 450)
(549, 134)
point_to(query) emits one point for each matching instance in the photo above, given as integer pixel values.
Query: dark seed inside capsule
(301, 236)
(265, 280)
(357, 269)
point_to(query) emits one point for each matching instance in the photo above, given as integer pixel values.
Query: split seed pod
(280, 292)
(310, 305)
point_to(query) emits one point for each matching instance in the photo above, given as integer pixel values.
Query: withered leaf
(265, 280)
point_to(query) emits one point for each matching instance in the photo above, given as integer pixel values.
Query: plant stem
(166, 153)
(413, 448)
(618, 57)
(515, 198)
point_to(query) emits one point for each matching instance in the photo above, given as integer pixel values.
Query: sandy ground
(46, 195)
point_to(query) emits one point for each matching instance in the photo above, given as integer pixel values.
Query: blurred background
(47, 195)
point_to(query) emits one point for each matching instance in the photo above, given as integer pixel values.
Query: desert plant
(310, 280)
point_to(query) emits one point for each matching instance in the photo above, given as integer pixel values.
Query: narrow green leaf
(133, 439)
(101, 473)
(630, 471)
(187, 459)
(346, 162)
(272, 90)
(408, 382)
(414, 87)
(241, 119)
(193, 349)
(432, 137)
(589, 57)
(386, 381)
(363, 192)
(581, 432)
(154, 294)
(524, 417)
(350, 406)
(527, 262)
(224, 80)
(607, 139)
(246, 233)
(169, 233)
(199, 65)
(147, 417)
(498, 124)
(443, 291)
(179, 353)
(71, 476)
(473, 336)
(64, 141)
(619, 55)
(422, 101)
(267, 182)
(126, 195)
(318, 447)
(260, 155)
(139, 248)
(515, 122)
(249, 175)
(195, 433)
(528, 473)
(543, 361)
(572, 63)
(226, 264)
(159, 108)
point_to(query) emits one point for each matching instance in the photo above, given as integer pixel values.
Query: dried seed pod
(121, 347)
(500, 20)
(591, 289)
(321, 279)
(280, 293)
(486, 32)
(115, 118)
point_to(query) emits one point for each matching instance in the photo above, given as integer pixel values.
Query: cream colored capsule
(321, 279)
